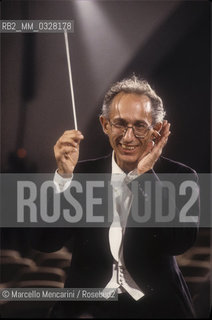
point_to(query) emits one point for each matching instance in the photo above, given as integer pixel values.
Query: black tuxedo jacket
(148, 252)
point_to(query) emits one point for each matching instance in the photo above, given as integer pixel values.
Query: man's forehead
(127, 101)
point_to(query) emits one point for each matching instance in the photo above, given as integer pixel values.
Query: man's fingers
(65, 152)
(68, 150)
(161, 140)
(165, 128)
(165, 132)
(72, 135)
(157, 150)
(69, 140)
(75, 132)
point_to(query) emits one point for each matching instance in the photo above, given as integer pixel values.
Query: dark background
(166, 42)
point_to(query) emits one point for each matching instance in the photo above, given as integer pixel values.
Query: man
(138, 262)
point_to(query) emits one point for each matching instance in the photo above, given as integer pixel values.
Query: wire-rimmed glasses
(140, 130)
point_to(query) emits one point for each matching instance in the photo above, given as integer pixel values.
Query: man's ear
(105, 124)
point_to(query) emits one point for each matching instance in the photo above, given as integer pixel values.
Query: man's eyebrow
(140, 122)
(120, 119)
(136, 122)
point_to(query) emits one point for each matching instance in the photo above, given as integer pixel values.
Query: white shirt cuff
(61, 183)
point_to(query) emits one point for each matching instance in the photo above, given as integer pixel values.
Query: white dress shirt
(122, 201)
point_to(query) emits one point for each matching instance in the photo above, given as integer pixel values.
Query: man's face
(130, 109)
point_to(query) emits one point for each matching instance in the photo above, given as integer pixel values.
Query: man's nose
(128, 134)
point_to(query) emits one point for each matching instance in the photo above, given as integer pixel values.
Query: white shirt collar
(115, 168)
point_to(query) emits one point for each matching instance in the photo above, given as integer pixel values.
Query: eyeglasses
(139, 130)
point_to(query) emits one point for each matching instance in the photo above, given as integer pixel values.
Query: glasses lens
(140, 130)
(118, 125)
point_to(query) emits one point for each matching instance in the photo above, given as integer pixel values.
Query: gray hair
(139, 86)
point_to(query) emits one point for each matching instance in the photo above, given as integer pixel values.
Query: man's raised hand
(154, 149)
(66, 151)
